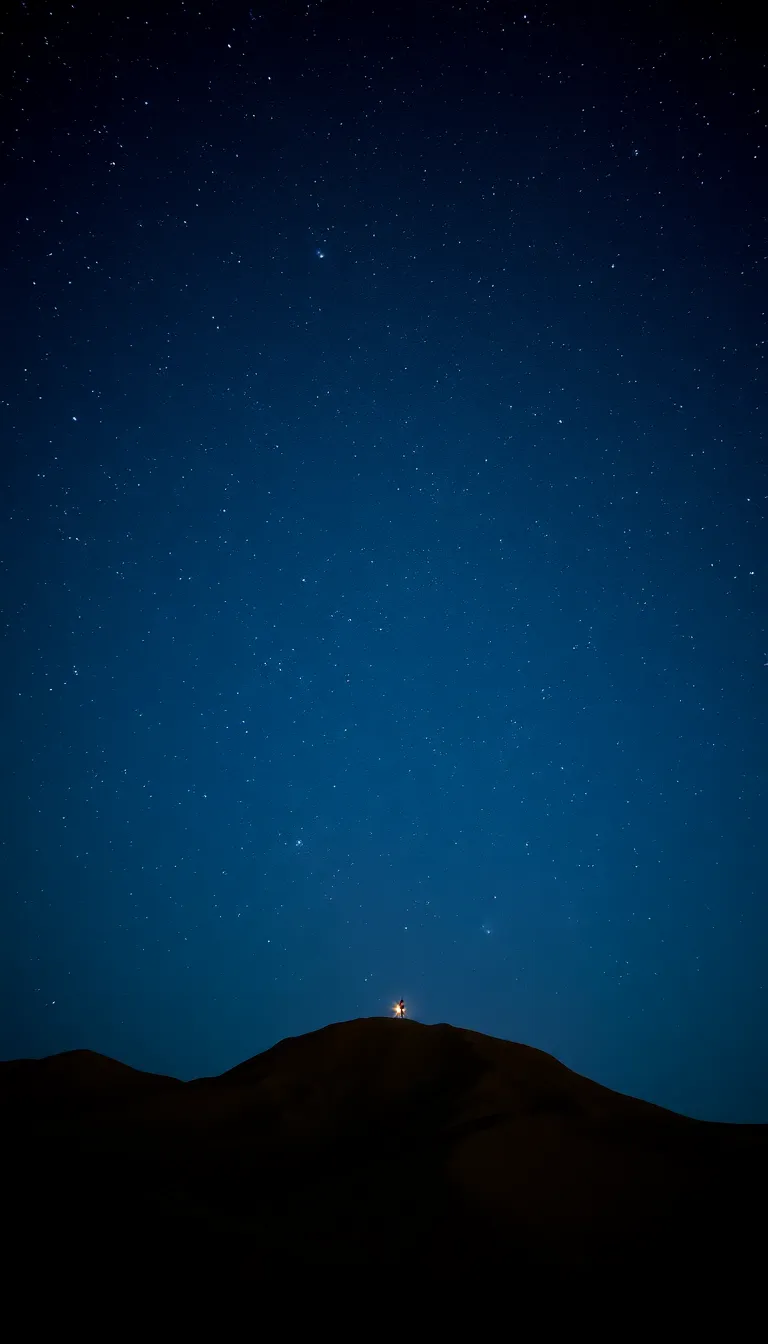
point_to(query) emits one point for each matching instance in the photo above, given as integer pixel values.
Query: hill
(373, 1140)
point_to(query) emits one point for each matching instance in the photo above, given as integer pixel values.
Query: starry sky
(383, 546)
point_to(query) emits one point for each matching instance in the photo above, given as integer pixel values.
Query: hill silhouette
(371, 1140)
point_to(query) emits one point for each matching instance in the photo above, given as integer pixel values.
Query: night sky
(383, 545)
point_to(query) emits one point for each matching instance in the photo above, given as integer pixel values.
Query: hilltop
(374, 1139)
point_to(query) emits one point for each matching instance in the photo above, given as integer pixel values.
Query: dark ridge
(368, 1140)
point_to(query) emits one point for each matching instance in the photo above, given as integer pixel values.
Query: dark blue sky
(384, 534)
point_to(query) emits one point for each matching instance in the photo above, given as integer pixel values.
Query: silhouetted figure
(400, 1010)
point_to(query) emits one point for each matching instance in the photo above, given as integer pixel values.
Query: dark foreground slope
(373, 1139)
